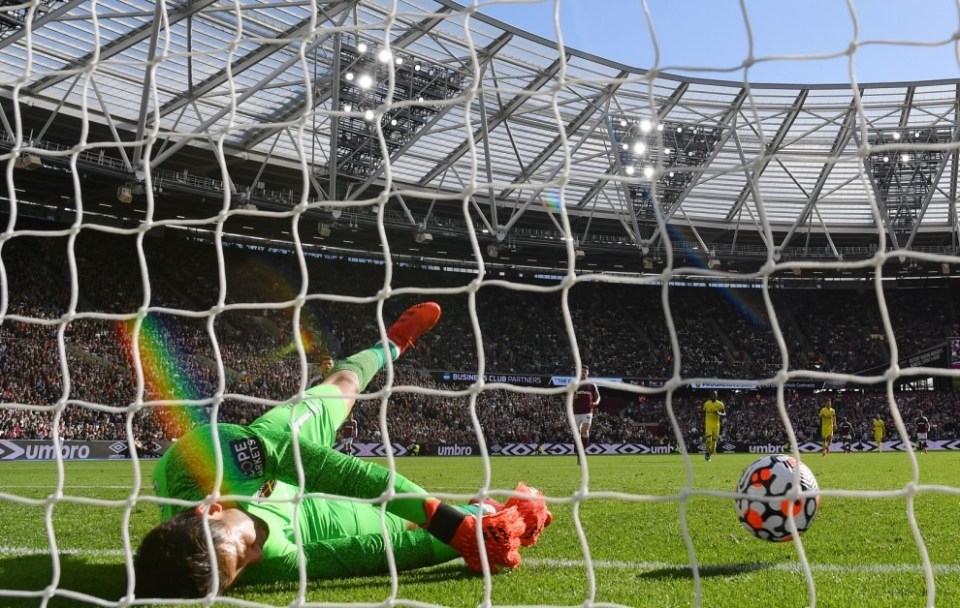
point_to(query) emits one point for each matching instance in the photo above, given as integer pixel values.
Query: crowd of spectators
(221, 332)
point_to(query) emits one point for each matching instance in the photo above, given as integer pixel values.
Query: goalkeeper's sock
(366, 363)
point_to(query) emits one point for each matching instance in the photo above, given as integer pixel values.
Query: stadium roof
(457, 115)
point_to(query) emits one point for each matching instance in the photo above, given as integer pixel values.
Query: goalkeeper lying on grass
(340, 538)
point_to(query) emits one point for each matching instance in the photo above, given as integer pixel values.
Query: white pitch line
(608, 565)
(23, 551)
(72, 487)
(755, 567)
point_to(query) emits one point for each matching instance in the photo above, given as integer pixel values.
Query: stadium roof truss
(335, 105)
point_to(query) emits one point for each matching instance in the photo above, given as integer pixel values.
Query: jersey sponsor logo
(248, 457)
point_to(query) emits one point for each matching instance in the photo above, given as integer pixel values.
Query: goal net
(205, 201)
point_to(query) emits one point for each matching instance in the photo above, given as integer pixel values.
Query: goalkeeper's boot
(413, 323)
(501, 534)
(534, 512)
(489, 505)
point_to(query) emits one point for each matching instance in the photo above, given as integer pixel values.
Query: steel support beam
(518, 213)
(295, 107)
(117, 46)
(768, 152)
(952, 209)
(573, 126)
(844, 134)
(884, 212)
(479, 134)
(356, 192)
(662, 112)
(249, 60)
(928, 197)
(489, 52)
(728, 132)
(265, 81)
(138, 160)
(36, 24)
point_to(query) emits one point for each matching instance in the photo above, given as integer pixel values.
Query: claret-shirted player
(586, 399)
(922, 427)
(348, 431)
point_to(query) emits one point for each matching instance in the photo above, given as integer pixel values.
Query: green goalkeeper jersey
(339, 537)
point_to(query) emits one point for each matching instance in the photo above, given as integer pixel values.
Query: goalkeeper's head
(174, 560)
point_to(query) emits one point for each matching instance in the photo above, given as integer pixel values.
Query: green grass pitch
(861, 549)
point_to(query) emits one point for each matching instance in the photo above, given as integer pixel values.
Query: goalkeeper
(256, 537)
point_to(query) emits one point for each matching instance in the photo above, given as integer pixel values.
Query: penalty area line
(602, 564)
(744, 567)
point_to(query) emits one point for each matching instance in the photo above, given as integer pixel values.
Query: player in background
(828, 416)
(878, 429)
(287, 453)
(348, 431)
(713, 409)
(922, 427)
(846, 435)
(326, 366)
(586, 399)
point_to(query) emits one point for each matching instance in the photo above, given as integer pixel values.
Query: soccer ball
(765, 483)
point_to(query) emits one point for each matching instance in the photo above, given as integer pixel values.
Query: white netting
(202, 198)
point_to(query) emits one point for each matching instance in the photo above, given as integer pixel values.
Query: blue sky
(713, 34)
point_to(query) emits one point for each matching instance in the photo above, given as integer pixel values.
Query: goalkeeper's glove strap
(444, 522)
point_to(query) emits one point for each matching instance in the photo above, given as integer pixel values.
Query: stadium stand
(723, 333)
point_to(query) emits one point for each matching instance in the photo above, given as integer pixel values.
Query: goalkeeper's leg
(318, 417)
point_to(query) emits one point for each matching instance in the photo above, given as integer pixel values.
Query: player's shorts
(847, 438)
(921, 436)
(712, 430)
(582, 419)
(826, 433)
(316, 418)
(348, 440)
(877, 437)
